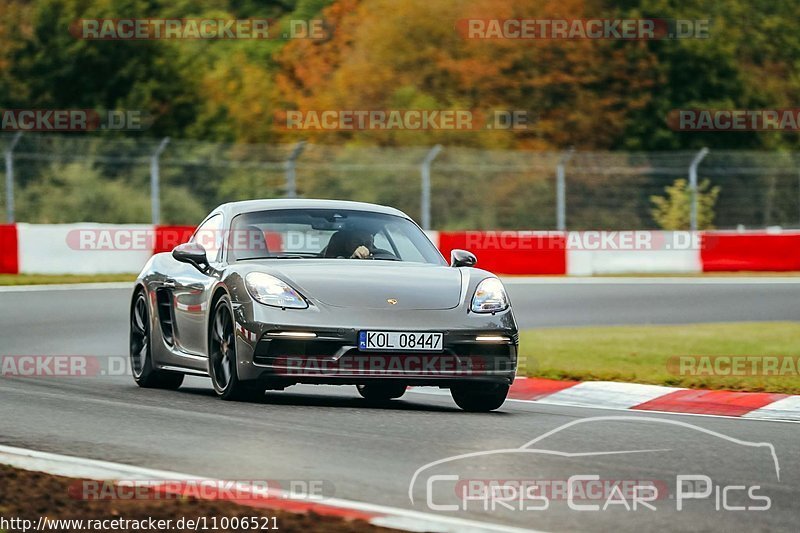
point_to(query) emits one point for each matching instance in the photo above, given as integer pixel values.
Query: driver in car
(352, 244)
(361, 242)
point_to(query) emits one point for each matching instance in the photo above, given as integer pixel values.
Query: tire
(480, 398)
(222, 357)
(141, 350)
(381, 392)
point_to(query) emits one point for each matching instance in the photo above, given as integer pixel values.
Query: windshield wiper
(294, 256)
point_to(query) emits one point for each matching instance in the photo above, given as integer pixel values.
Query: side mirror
(462, 258)
(191, 253)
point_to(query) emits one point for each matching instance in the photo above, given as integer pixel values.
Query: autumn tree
(408, 54)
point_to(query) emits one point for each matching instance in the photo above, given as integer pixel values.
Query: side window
(209, 236)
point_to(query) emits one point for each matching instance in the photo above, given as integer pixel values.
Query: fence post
(291, 163)
(425, 173)
(770, 201)
(9, 155)
(155, 183)
(561, 190)
(693, 187)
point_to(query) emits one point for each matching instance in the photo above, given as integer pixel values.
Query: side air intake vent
(165, 316)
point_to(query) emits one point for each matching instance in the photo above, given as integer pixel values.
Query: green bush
(672, 211)
(77, 192)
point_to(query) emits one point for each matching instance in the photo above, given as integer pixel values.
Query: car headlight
(490, 297)
(269, 290)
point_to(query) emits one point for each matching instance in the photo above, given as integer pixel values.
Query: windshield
(328, 233)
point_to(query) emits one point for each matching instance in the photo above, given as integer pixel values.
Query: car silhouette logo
(392, 301)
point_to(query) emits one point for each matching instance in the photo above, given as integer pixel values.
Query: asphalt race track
(371, 454)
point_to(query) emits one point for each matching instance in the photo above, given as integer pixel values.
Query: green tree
(78, 192)
(672, 211)
(747, 61)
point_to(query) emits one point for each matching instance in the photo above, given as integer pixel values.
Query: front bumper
(286, 353)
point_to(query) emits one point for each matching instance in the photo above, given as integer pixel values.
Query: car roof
(232, 209)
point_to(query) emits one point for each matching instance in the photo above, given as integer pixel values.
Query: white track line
(392, 517)
(113, 285)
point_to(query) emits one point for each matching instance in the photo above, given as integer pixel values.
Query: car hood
(372, 284)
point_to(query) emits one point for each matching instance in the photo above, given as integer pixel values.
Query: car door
(191, 288)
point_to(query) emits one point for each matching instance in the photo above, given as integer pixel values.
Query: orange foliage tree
(408, 54)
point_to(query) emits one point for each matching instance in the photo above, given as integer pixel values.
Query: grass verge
(640, 354)
(42, 279)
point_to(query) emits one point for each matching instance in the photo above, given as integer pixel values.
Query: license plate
(399, 341)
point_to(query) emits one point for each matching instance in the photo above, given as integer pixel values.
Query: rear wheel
(480, 398)
(381, 392)
(222, 357)
(144, 374)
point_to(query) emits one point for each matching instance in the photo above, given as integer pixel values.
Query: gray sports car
(271, 293)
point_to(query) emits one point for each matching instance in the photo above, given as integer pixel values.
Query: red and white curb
(378, 515)
(638, 397)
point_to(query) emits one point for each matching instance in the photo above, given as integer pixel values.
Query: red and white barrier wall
(586, 253)
(64, 248)
(110, 248)
(84, 248)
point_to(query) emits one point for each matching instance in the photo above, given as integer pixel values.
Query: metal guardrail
(444, 187)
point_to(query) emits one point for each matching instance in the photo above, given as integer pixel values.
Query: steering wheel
(380, 253)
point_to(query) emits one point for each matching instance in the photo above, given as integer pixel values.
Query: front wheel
(480, 398)
(381, 392)
(141, 352)
(222, 357)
